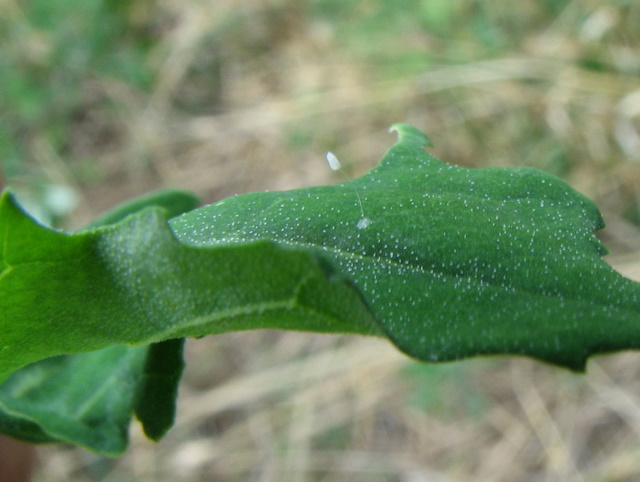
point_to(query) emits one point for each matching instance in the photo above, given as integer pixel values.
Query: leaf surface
(453, 262)
(88, 398)
(84, 399)
(135, 283)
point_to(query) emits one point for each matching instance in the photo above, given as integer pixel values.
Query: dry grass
(249, 96)
(296, 407)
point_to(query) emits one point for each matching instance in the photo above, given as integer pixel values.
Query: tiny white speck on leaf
(333, 161)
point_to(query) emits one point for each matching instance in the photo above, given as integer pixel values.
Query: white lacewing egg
(333, 161)
(364, 223)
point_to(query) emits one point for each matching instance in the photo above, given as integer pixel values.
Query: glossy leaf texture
(447, 262)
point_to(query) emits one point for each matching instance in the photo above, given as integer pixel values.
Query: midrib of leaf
(93, 400)
(78, 413)
(416, 268)
(237, 312)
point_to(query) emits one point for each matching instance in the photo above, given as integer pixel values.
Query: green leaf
(135, 283)
(456, 262)
(173, 201)
(445, 261)
(37, 405)
(155, 405)
(85, 399)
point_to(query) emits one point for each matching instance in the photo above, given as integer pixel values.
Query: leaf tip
(410, 134)
(7, 196)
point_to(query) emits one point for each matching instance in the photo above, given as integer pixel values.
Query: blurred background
(102, 100)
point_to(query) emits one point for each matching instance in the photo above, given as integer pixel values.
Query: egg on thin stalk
(335, 165)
